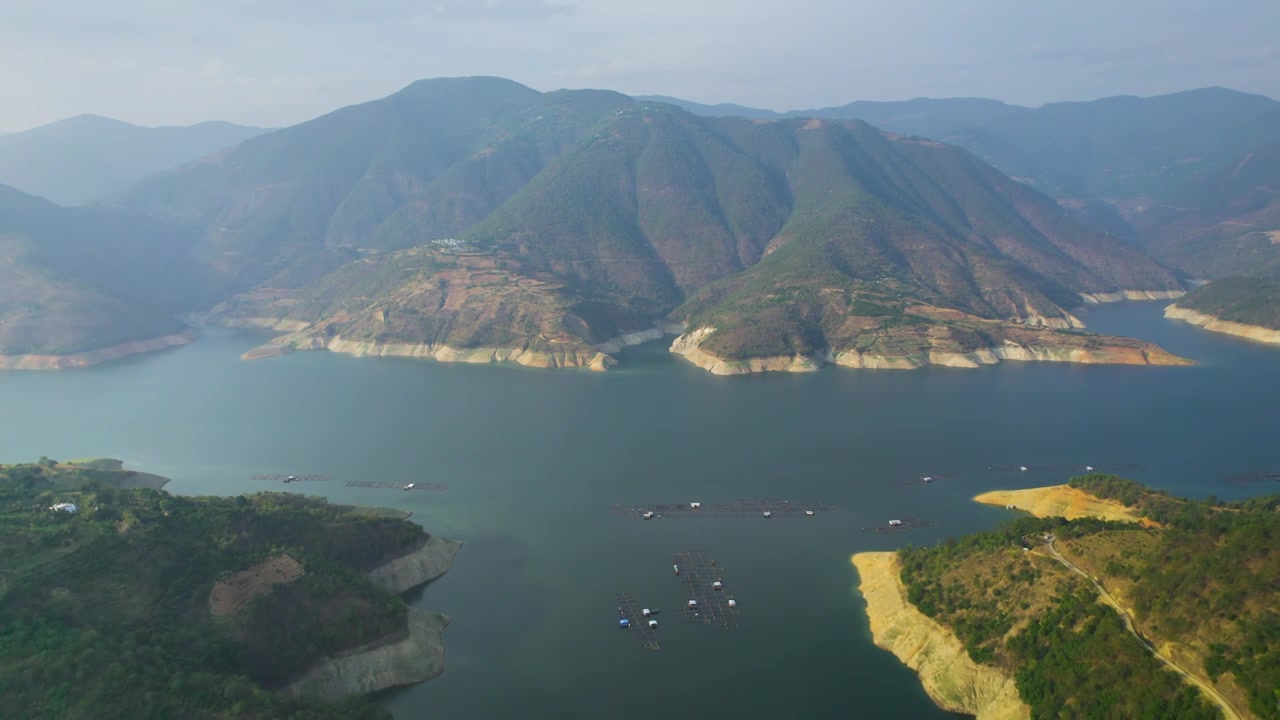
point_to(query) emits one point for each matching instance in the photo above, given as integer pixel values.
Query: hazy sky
(277, 62)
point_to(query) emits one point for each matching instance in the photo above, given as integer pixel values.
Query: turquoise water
(535, 459)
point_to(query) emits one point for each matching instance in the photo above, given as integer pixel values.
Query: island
(115, 594)
(1039, 617)
(1243, 306)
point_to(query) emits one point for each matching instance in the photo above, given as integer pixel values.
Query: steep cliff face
(409, 657)
(950, 677)
(415, 658)
(422, 565)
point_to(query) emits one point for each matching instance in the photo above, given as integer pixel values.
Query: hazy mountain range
(476, 214)
(84, 158)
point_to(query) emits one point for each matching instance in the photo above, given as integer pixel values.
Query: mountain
(717, 110)
(78, 279)
(85, 158)
(1194, 175)
(474, 218)
(1122, 147)
(1227, 223)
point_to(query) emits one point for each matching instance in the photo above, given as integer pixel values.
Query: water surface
(535, 459)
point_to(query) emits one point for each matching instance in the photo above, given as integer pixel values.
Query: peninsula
(1242, 306)
(268, 605)
(1048, 604)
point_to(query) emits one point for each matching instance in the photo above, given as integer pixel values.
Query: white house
(64, 507)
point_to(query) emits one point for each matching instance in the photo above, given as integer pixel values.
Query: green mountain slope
(86, 158)
(1121, 148)
(332, 182)
(76, 279)
(1193, 175)
(653, 209)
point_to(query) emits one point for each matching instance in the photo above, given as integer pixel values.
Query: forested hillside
(110, 611)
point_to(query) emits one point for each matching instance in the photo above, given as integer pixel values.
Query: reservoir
(535, 461)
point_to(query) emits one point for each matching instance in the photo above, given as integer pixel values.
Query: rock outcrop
(415, 657)
(411, 656)
(951, 678)
(425, 564)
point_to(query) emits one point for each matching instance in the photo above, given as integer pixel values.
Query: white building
(64, 507)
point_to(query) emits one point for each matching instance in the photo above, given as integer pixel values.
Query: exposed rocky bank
(1213, 324)
(93, 357)
(1110, 351)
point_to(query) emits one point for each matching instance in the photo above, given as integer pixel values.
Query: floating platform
(742, 508)
(430, 487)
(924, 479)
(903, 524)
(699, 575)
(1119, 467)
(1251, 477)
(272, 477)
(629, 609)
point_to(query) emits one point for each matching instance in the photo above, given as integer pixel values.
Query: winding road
(1228, 711)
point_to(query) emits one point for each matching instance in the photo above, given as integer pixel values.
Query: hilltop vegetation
(107, 611)
(1203, 586)
(1251, 301)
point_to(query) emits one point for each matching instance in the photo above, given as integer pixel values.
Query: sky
(277, 62)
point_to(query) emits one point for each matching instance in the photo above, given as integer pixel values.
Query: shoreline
(688, 347)
(95, 357)
(1225, 327)
(950, 677)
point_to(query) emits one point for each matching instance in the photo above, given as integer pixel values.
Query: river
(536, 459)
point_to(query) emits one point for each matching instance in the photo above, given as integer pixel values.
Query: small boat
(1022, 468)
(624, 623)
(1089, 468)
(927, 478)
(410, 486)
(676, 568)
(768, 514)
(895, 523)
(653, 624)
(648, 515)
(733, 603)
(808, 513)
(717, 585)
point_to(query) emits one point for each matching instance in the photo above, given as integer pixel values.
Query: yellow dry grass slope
(1061, 501)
